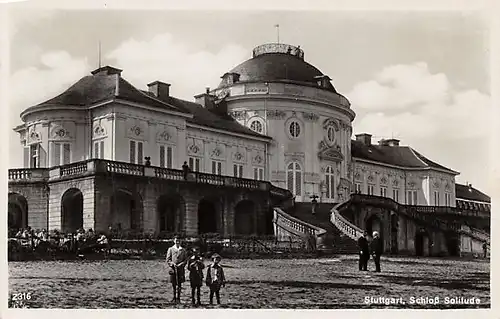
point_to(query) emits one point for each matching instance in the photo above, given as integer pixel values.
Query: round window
(295, 129)
(256, 126)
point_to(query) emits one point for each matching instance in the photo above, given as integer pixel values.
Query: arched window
(330, 182)
(256, 126)
(294, 178)
(330, 134)
(294, 129)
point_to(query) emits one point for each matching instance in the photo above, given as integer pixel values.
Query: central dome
(277, 62)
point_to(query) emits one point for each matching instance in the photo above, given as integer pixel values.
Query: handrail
(299, 225)
(343, 224)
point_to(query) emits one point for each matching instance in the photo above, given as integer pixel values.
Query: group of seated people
(78, 241)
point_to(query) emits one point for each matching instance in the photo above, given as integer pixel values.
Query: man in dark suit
(364, 252)
(376, 248)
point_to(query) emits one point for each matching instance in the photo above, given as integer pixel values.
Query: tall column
(150, 212)
(191, 218)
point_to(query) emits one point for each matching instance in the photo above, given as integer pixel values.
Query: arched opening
(72, 210)
(394, 233)
(17, 211)
(422, 243)
(126, 210)
(207, 217)
(294, 179)
(245, 218)
(373, 223)
(171, 211)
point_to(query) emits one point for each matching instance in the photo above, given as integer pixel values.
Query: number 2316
(21, 296)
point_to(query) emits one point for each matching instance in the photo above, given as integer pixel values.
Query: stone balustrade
(296, 226)
(99, 166)
(347, 228)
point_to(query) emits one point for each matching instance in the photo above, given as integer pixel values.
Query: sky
(421, 77)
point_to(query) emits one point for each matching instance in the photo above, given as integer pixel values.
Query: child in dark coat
(215, 278)
(195, 267)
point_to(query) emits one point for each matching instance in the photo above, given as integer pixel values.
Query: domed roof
(278, 63)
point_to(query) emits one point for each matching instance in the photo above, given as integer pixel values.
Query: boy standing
(195, 267)
(176, 260)
(215, 278)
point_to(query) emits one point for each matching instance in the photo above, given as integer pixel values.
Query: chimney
(159, 89)
(364, 138)
(388, 142)
(107, 70)
(205, 99)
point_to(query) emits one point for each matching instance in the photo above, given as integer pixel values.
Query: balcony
(98, 166)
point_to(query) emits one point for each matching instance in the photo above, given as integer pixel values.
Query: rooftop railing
(278, 48)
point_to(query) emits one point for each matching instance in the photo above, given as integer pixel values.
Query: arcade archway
(72, 210)
(394, 233)
(374, 223)
(207, 216)
(422, 243)
(245, 218)
(126, 210)
(171, 211)
(17, 211)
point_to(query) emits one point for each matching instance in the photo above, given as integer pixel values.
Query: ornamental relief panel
(195, 147)
(310, 177)
(59, 132)
(258, 158)
(294, 157)
(310, 116)
(276, 114)
(239, 115)
(99, 132)
(166, 135)
(239, 155)
(136, 130)
(217, 151)
(34, 136)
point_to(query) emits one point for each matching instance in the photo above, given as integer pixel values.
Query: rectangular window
(411, 197)
(162, 156)
(217, 167)
(136, 152)
(358, 188)
(194, 164)
(370, 189)
(436, 198)
(258, 173)
(238, 170)
(383, 191)
(447, 199)
(61, 153)
(56, 147)
(26, 154)
(99, 149)
(395, 195)
(34, 155)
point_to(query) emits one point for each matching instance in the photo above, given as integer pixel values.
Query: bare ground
(281, 283)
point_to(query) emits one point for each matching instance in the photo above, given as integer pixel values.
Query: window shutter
(139, 153)
(26, 154)
(214, 167)
(261, 174)
(42, 156)
(170, 163)
(162, 156)
(96, 150)
(57, 154)
(66, 153)
(255, 173)
(219, 168)
(101, 151)
(235, 170)
(241, 171)
(197, 164)
(132, 152)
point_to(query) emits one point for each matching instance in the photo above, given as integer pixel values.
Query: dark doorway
(374, 224)
(452, 244)
(422, 243)
(126, 210)
(72, 210)
(394, 233)
(17, 211)
(171, 210)
(245, 218)
(207, 217)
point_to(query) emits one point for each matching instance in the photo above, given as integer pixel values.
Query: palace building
(105, 153)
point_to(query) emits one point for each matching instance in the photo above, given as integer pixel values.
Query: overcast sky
(421, 77)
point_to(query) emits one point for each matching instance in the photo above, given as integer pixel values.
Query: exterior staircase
(335, 241)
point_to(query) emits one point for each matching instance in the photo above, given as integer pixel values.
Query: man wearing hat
(176, 260)
(377, 249)
(364, 251)
(215, 278)
(195, 267)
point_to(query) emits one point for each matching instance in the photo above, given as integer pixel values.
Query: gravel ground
(282, 283)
